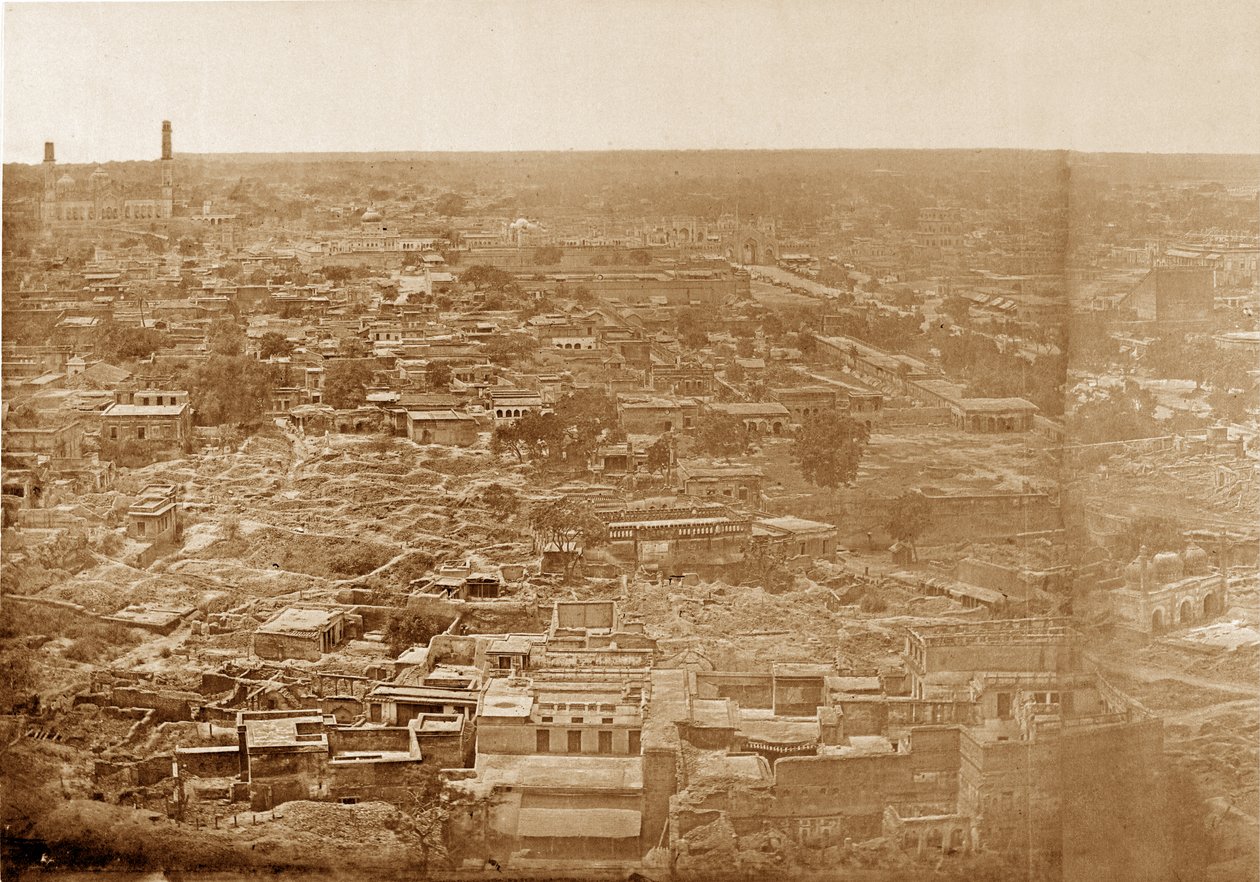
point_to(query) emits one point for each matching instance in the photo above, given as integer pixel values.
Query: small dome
(1198, 562)
(100, 173)
(65, 180)
(1169, 567)
(372, 216)
(1133, 572)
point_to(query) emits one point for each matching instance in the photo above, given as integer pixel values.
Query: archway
(1157, 621)
(1211, 606)
(749, 252)
(1185, 613)
(777, 428)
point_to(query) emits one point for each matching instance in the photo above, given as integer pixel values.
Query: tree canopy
(721, 435)
(570, 526)
(828, 450)
(231, 389)
(346, 381)
(225, 337)
(909, 518)
(273, 344)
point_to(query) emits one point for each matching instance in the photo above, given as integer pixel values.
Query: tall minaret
(168, 171)
(50, 172)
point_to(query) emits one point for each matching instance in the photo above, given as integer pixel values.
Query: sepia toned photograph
(750, 441)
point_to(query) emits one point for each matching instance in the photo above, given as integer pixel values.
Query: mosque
(73, 205)
(1169, 590)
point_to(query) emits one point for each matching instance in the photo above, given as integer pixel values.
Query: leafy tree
(548, 255)
(570, 526)
(583, 295)
(450, 205)
(354, 347)
(506, 349)
(406, 628)
(438, 375)
(660, 456)
(225, 337)
(482, 276)
(692, 326)
(115, 342)
(346, 381)
(257, 277)
(503, 502)
(828, 450)
(536, 434)
(639, 257)
(958, 308)
(338, 275)
(231, 389)
(274, 344)
(722, 435)
(909, 518)
(586, 417)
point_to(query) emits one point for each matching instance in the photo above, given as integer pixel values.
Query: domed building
(102, 202)
(1169, 590)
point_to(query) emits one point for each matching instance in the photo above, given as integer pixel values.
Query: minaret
(50, 172)
(168, 171)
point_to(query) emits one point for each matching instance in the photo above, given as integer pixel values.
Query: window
(605, 742)
(113, 433)
(542, 740)
(634, 742)
(575, 741)
(140, 432)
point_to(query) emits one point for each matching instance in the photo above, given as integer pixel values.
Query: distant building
(100, 201)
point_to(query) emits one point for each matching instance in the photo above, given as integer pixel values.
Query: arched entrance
(1185, 613)
(1211, 606)
(1157, 621)
(749, 252)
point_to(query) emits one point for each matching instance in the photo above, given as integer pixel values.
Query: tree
(450, 205)
(909, 519)
(569, 526)
(354, 347)
(722, 435)
(660, 456)
(828, 450)
(274, 344)
(692, 326)
(537, 434)
(548, 255)
(503, 502)
(583, 295)
(346, 381)
(506, 349)
(957, 308)
(225, 337)
(406, 628)
(1151, 532)
(482, 276)
(231, 389)
(115, 342)
(438, 375)
(587, 417)
(338, 275)
(639, 257)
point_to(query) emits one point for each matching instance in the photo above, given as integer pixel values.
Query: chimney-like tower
(50, 172)
(168, 172)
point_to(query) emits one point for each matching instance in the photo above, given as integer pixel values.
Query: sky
(1160, 76)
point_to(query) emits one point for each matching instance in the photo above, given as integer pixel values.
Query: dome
(1133, 572)
(1169, 567)
(65, 180)
(99, 173)
(372, 216)
(1197, 561)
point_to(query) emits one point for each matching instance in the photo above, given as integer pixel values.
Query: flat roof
(568, 771)
(300, 621)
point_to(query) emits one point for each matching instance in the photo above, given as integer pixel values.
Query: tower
(168, 171)
(50, 172)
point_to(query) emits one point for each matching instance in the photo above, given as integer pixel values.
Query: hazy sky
(584, 74)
